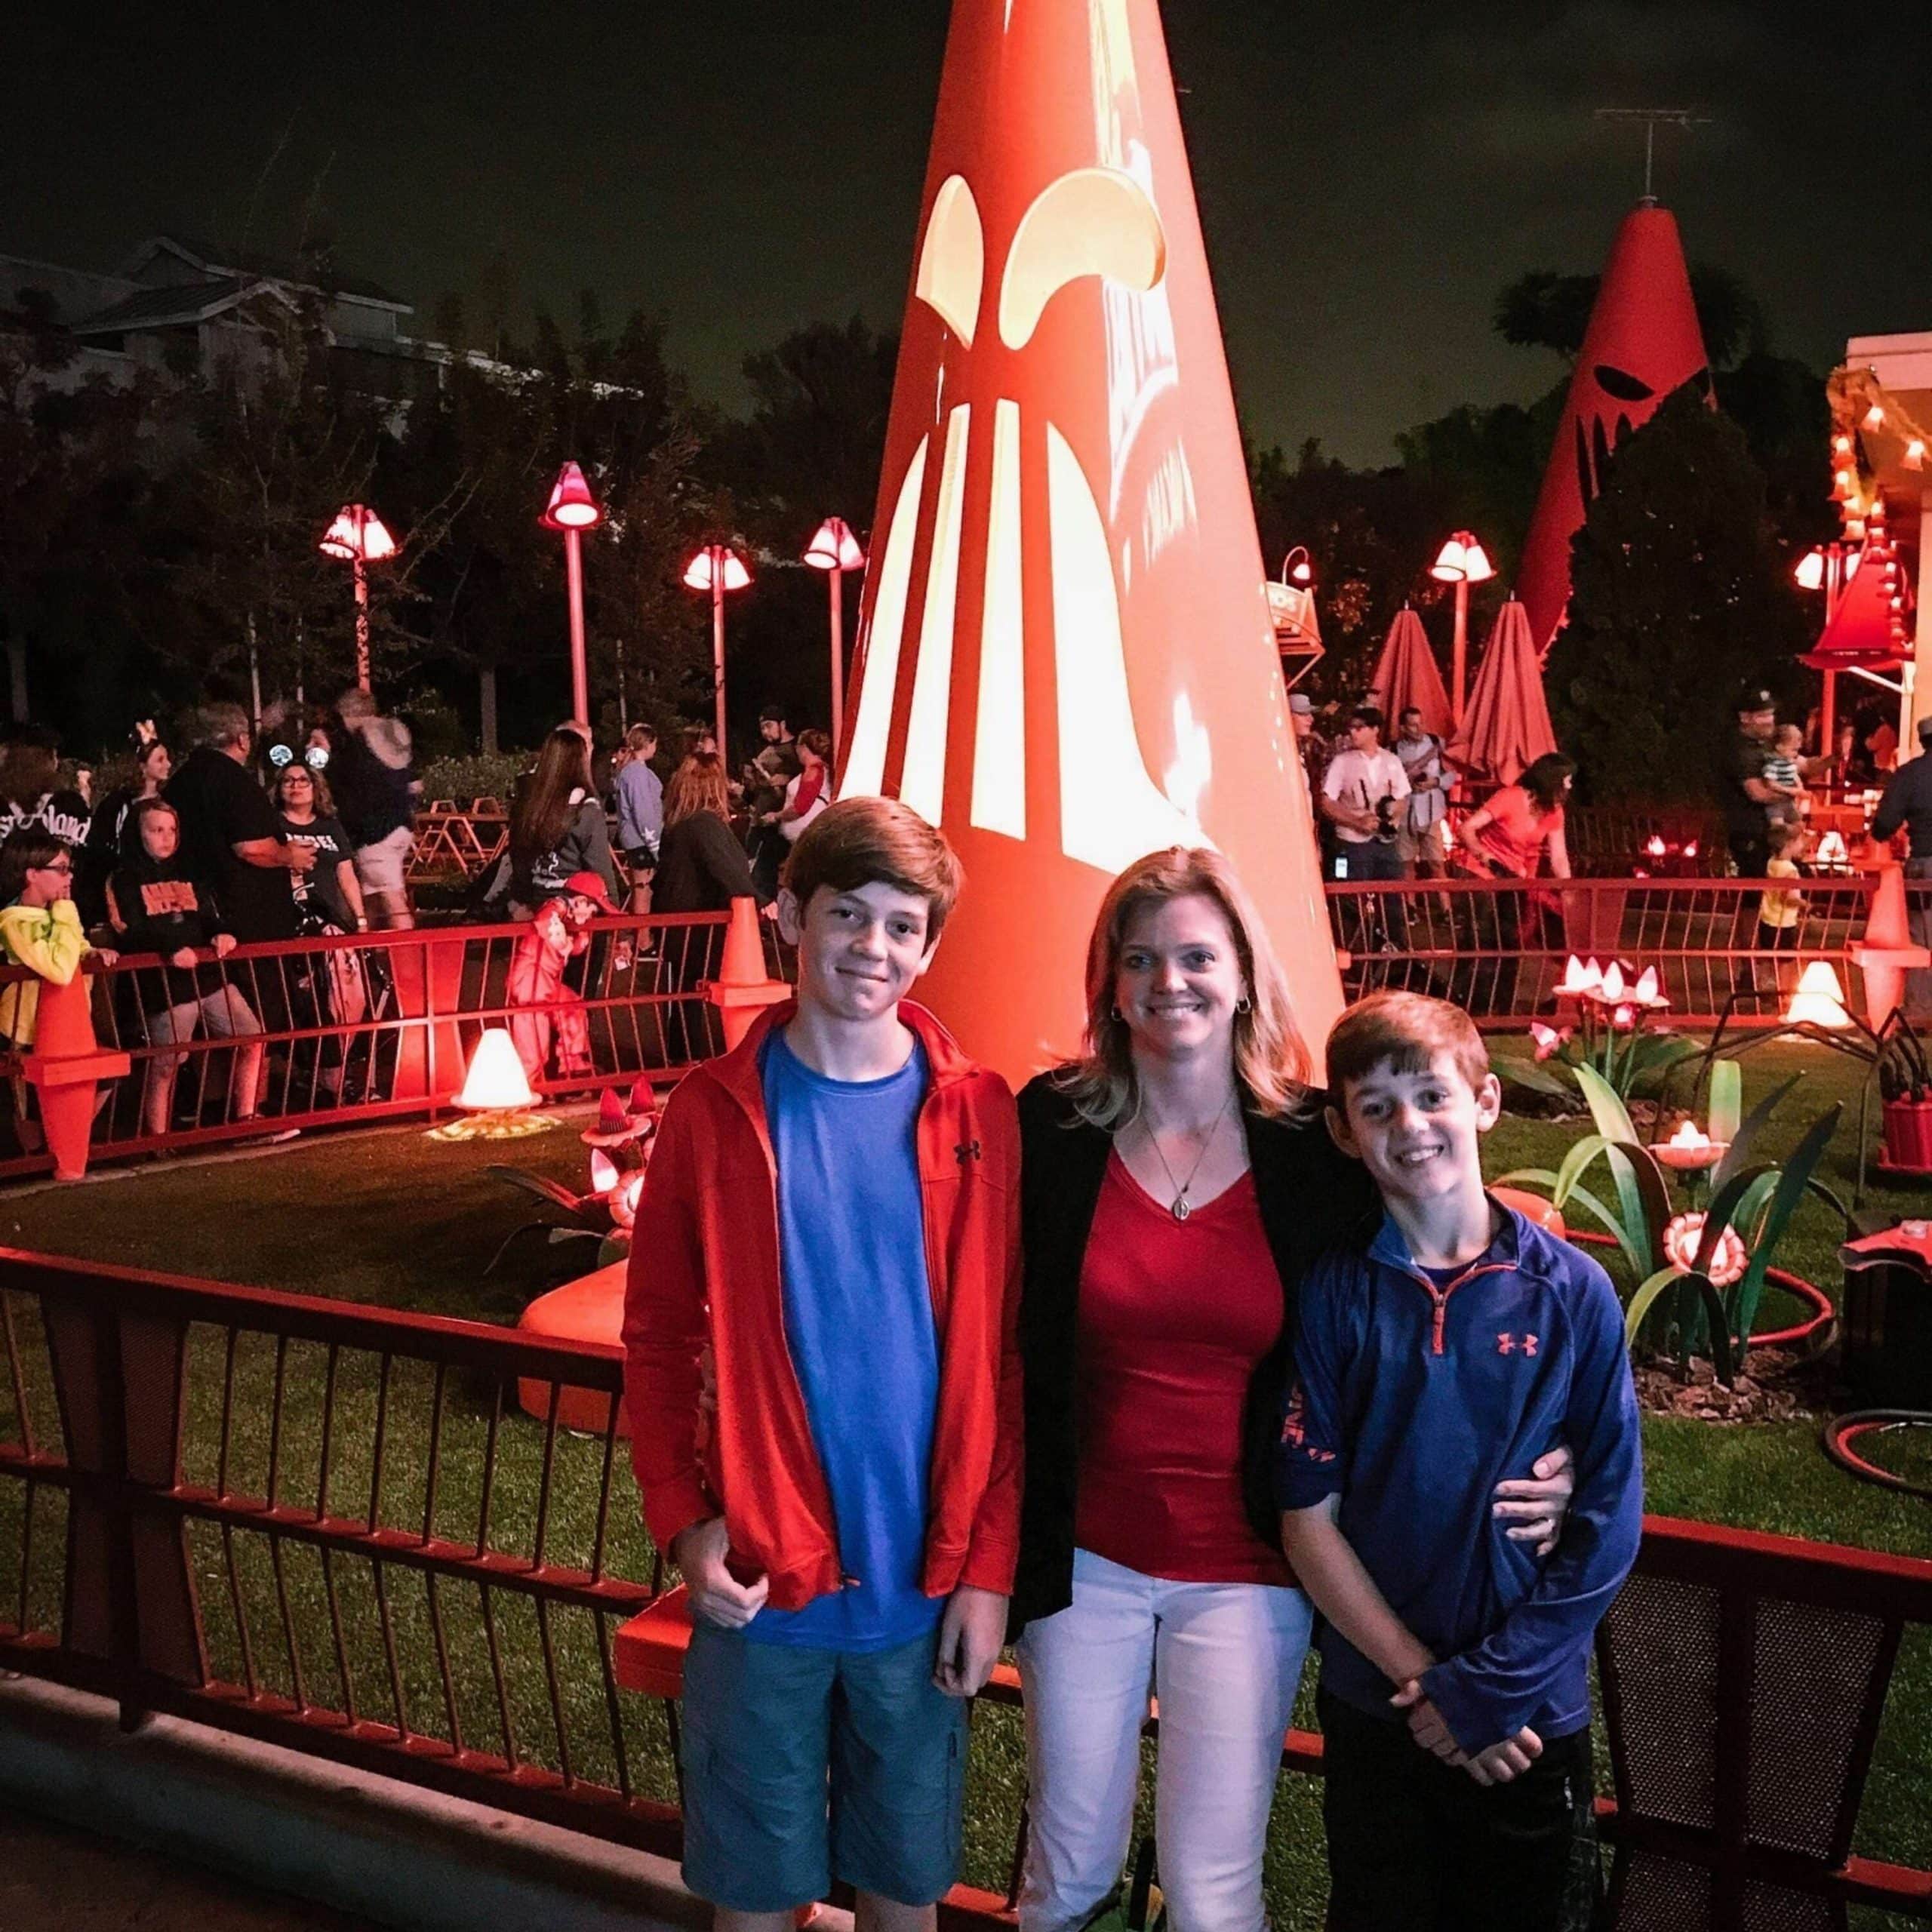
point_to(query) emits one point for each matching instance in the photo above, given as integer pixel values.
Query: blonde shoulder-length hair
(1272, 1062)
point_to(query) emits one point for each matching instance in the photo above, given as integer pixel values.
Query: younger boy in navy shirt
(1442, 1355)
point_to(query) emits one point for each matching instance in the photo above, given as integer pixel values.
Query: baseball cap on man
(588, 885)
(1754, 698)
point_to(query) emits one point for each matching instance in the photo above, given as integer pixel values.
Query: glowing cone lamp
(1066, 658)
(359, 537)
(835, 550)
(1819, 999)
(1642, 343)
(496, 1095)
(716, 569)
(573, 510)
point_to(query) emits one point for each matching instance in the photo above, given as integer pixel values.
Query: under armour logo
(1507, 1344)
(966, 1150)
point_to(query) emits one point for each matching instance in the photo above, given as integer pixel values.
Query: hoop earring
(1117, 1016)
(1244, 1004)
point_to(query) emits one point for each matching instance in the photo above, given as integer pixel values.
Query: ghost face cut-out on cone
(1643, 342)
(1065, 658)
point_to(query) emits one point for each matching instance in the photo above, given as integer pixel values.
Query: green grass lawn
(390, 1218)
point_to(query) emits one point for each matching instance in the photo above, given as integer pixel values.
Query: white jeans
(1224, 1659)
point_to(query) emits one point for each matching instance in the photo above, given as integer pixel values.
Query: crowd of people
(305, 828)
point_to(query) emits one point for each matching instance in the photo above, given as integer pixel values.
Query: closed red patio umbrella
(1405, 674)
(1507, 727)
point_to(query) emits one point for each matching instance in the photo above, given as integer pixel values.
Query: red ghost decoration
(1643, 342)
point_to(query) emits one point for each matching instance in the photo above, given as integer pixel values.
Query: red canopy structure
(1065, 658)
(1507, 726)
(1859, 636)
(1406, 675)
(1643, 342)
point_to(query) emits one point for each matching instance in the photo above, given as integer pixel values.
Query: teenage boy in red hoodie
(831, 1210)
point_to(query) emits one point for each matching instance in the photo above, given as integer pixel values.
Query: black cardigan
(1311, 1196)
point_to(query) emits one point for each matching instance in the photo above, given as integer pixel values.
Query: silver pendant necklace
(1180, 1207)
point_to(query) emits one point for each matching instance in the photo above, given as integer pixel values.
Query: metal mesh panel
(1663, 1895)
(1778, 1908)
(1815, 1666)
(1663, 1639)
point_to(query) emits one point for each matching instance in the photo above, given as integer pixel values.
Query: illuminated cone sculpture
(1065, 658)
(1643, 343)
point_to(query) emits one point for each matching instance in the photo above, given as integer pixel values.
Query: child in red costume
(555, 936)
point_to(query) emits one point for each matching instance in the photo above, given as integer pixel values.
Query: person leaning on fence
(830, 1217)
(1907, 803)
(1447, 1348)
(40, 929)
(1517, 832)
(539, 997)
(155, 906)
(558, 826)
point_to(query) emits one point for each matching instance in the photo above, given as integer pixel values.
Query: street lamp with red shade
(835, 550)
(717, 568)
(573, 510)
(359, 537)
(1462, 561)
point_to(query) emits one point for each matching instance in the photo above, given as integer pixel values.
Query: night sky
(1369, 175)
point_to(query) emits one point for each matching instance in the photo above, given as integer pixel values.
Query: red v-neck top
(1174, 1318)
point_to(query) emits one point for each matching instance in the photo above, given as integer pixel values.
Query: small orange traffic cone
(66, 1067)
(742, 986)
(1886, 951)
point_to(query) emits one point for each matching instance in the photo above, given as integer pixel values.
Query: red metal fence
(368, 1027)
(329, 1526)
(1498, 949)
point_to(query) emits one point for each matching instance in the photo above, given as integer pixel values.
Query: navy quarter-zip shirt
(1410, 1400)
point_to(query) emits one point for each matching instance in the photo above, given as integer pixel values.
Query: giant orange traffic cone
(1065, 658)
(1642, 343)
(66, 1067)
(743, 986)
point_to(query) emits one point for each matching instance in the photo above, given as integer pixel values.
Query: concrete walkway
(54, 1878)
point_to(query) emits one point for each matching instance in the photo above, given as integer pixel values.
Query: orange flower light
(1727, 1260)
(1690, 1149)
(1819, 1000)
(496, 1095)
(1580, 980)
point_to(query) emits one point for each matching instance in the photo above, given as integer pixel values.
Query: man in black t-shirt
(230, 836)
(1743, 789)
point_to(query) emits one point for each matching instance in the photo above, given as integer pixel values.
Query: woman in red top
(1522, 822)
(1509, 838)
(1175, 1185)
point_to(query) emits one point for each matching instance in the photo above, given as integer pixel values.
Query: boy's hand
(1537, 1507)
(969, 1636)
(716, 1596)
(1427, 1725)
(1509, 1759)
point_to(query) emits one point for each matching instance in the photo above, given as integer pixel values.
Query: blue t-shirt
(859, 1320)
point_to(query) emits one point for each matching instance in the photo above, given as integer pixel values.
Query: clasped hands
(969, 1634)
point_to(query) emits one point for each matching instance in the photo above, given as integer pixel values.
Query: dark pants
(1416, 1845)
(1751, 852)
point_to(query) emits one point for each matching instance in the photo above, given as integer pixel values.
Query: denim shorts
(801, 1766)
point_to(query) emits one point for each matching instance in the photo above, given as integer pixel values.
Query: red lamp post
(835, 550)
(717, 568)
(1462, 562)
(359, 537)
(573, 510)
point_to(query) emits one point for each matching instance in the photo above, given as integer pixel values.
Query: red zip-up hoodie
(704, 1272)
